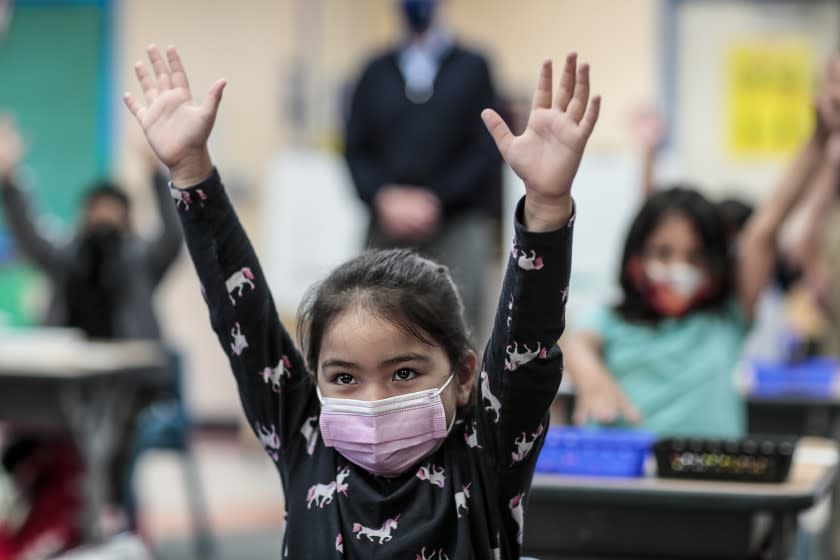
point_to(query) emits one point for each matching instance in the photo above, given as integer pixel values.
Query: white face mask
(386, 436)
(684, 279)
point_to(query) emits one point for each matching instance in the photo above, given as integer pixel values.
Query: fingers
(147, 81)
(136, 109)
(606, 409)
(580, 98)
(179, 77)
(542, 95)
(164, 80)
(498, 129)
(630, 413)
(587, 124)
(214, 97)
(567, 82)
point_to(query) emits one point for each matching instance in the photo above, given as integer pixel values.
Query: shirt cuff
(525, 238)
(198, 201)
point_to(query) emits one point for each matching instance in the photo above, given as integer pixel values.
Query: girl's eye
(404, 374)
(344, 379)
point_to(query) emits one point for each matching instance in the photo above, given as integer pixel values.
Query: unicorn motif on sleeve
(487, 395)
(339, 543)
(517, 507)
(237, 282)
(239, 342)
(461, 500)
(184, 199)
(269, 439)
(310, 431)
(438, 554)
(523, 445)
(516, 358)
(383, 533)
(323, 494)
(273, 375)
(510, 310)
(471, 436)
(527, 260)
(433, 473)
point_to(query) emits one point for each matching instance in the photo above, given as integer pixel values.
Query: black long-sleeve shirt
(467, 499)
(441, 144)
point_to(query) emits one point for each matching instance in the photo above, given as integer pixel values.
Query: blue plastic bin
(811, 378)
(595, 451)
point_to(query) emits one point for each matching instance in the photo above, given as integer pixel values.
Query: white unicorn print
(441, 555)
(269, 439)
(310, 431)
(517, 511)
(523, 446)
(283, 367)
(339, 543)
(239, 343)
(471, 436)
(237, 282)
(527, 260)
(488, 396)
(516, 358)
(461, 500)
(510, 310)
(383, 533)
(433, 473)
(323, 494)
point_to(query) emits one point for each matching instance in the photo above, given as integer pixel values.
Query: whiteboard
(312, 222)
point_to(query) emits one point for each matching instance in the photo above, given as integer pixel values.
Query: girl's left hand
(547, 155)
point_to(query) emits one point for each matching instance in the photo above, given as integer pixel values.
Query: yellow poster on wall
(770, 88)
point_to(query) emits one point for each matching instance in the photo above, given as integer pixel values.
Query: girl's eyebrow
(339, 363)
(409, 357)
(401, 358)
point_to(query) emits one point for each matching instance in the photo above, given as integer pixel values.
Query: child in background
(384, 448)
(663, 357)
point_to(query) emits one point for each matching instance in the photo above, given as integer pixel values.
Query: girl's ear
(465, 378)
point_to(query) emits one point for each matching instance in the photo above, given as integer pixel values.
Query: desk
(576, 517)
(55, 377)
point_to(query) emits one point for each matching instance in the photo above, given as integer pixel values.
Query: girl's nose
(377, 392)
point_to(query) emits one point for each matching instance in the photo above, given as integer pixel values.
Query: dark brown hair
(411, 292)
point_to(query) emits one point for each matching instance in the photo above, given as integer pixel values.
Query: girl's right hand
(600, 399)
(175, 126)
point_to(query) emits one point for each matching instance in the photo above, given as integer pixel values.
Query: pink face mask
(387, 436)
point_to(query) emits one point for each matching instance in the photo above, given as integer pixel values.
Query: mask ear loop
(437, 394)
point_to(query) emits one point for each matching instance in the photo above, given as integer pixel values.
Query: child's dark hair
(712, 230)
(736, 213)
(106, 189)
(398, 285)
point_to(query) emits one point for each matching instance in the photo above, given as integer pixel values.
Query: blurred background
(726, 87)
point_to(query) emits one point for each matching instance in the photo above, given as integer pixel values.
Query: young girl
(664, 356)
(383, 448)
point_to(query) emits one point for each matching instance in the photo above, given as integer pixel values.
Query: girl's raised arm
(758, 241)
(270, 373)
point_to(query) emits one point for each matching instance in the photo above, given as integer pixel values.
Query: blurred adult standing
(419, 155)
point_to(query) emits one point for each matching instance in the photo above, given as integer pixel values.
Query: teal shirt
(679, 372)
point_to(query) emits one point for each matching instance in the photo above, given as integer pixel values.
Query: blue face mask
(418, 14)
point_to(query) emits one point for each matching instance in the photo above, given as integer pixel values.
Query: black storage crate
(752, 459)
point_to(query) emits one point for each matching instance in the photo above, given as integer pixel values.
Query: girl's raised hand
(176, 127)
(547, 155)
